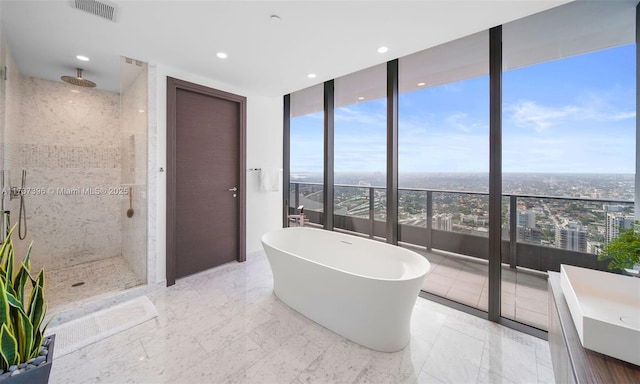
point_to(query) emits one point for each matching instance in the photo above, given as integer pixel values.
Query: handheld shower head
(78, 80)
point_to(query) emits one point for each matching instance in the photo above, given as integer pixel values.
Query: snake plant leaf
(4, 303)
(25, 342)
(14, 303)
(37, 343)
(8, 346)
(20, 280)
(6, 245)
(37, 306)
(21, 318)
(9, 266)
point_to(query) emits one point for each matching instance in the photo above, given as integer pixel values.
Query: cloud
(529, 114)
(461, 121)
(351, 115)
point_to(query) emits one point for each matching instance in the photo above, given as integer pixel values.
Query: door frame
(173, 85)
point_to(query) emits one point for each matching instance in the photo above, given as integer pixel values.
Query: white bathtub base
(373, 312)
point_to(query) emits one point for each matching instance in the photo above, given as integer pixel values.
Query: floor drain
(77, 284)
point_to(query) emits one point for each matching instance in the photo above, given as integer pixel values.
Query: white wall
(264, 150)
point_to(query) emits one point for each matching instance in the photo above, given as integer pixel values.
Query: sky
(574, 115)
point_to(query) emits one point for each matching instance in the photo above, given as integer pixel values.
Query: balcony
(451, 229)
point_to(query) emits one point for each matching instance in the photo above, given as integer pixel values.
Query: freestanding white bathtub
(361, 289)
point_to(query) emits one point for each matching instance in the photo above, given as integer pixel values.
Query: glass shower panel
(133, 168)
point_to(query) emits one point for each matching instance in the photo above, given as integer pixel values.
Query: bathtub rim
(426, 268)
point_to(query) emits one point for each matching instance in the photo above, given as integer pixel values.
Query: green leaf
(8, 346)
(37, 307)
(20, 280)
(6, 246)
(9, 266)
(21, 318)
(14, 302)
(25, 342)
(4, 304)
(623, 251)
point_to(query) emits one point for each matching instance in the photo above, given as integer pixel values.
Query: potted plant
(623, 251)
(25, 353)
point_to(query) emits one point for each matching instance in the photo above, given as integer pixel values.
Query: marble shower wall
(68, 140)
(134, 170)
(10, 97)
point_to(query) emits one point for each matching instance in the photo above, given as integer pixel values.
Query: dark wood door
(207, 144)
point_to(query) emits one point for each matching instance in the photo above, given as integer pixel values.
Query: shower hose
(22, 216)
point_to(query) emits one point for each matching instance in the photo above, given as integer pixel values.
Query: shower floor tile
(98, 277)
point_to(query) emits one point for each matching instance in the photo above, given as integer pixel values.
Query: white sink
(605, 308)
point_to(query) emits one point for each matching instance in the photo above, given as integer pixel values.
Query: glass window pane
(444, 164)
(360, 137)
(307, 152)
(569, 94)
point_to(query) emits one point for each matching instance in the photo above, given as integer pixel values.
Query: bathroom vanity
(572, 363)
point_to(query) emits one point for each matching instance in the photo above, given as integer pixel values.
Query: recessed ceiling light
(382, 49)
(221, 55)
(82, 58)
(141, 110)
(311, 75)
(361, 98)
(421, 84)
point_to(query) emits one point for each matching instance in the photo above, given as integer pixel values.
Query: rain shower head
(79, 81)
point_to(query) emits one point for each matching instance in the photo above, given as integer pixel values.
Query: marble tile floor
(465, 280)
(100, 277)
(226, 326)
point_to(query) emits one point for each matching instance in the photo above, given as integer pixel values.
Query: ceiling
(266, 57)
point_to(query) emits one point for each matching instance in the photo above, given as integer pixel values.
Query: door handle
(234, 189)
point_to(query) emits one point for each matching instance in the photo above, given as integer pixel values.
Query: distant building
(571, 238)
(615, 222)
(526, 227)
(529, 235)
(612, 207)
(594, 247)
(443, 222)
(526, 219)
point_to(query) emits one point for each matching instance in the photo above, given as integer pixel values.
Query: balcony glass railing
(539, 232)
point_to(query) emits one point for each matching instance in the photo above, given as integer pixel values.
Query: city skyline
(574, 115)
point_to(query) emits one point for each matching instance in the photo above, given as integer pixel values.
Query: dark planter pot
(39, 375)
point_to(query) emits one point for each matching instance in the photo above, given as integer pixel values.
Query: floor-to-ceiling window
(306, 153)
(444, 164)
(360, 154)
(568, 146)
(568, 130)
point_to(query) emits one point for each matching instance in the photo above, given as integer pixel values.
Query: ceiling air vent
(99, 8)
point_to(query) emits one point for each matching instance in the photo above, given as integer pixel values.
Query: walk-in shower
(73, 167)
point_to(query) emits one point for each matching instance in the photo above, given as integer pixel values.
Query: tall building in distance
(526, 218)
(571, 237)
(529, 235)
(527, 232)
(615, 222)
(443, 222)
